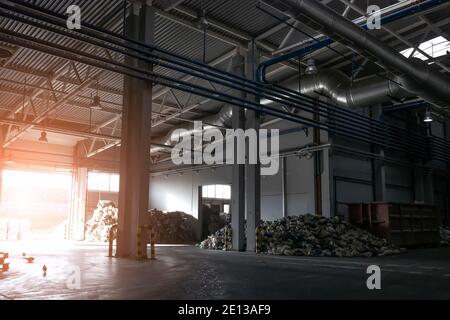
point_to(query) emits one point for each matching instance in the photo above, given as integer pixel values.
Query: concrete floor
(192, 273)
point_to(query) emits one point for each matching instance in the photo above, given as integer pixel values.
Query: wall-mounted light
(428, 117)
(9, 160)
(43, 137)
(96, 105)
(96, 101)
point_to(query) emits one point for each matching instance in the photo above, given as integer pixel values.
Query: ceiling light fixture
(96, 101)
(9, 160)
(428, 117)
(43, 137)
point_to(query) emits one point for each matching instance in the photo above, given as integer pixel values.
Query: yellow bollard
(110, 249)
(139, 253)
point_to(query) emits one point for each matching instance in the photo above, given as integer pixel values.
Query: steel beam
(44, 114)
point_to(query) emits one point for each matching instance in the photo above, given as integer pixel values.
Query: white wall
(181, 192)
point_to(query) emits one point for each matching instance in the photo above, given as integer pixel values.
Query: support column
(238, 174)
(428, 187)
(283, 187)
(419, 191)
(136, 137)
(379, 171)
(77, 210)
(253, 171)
(326, 172)
(253, 188)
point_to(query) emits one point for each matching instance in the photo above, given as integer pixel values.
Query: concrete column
(379, 171)
(238, 173)
(136, 135)
(253, 171)
(326, 176)
(283, 187)
(428, 190)
(252, 189)
(77, 210)
(419, 192)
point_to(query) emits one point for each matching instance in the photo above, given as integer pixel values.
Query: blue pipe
(261, 71)
(352, 132)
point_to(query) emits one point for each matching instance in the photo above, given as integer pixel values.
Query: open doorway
(214, 208)
(34, 205)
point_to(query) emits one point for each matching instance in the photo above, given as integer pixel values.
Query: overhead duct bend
(337, 87)
(330, 83)
(416, 76)
(221, 119)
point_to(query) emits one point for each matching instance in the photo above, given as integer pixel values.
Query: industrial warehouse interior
(224, 150)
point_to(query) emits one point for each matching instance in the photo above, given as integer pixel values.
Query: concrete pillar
(419, 192)
(253, 171)
(326, 176)
(428, 190)
(379, 171)
(77, 209)
(238, 173)
(252, 189)
(136, 135)
(283, 187)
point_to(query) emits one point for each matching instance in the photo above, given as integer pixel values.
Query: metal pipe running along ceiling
(342, 122)
(205, 72)
(416, 76)
(315, 44)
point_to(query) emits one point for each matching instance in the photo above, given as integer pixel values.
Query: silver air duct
(340, 89)
(221, 119)
(416, 76)
(330, 83)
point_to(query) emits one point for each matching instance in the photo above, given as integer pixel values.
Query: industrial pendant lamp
(96, 103)
(428, 116)
(43, 137)
(9, 159)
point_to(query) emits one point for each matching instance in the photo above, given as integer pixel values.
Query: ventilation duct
(340, 89)
(330, 83)
(415, 75)
(221, 119)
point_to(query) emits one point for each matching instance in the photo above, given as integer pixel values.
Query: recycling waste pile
(220, 240)
(309, 235)
(173, 227)
(445, 236)
(104, 217)
(168, 228)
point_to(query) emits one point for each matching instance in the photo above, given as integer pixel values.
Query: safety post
(110, 249)
(142, 243)
(152, 246)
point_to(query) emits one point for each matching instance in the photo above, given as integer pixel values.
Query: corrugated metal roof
(239, 15)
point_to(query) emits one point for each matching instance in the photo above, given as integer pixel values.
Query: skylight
(436, 47)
